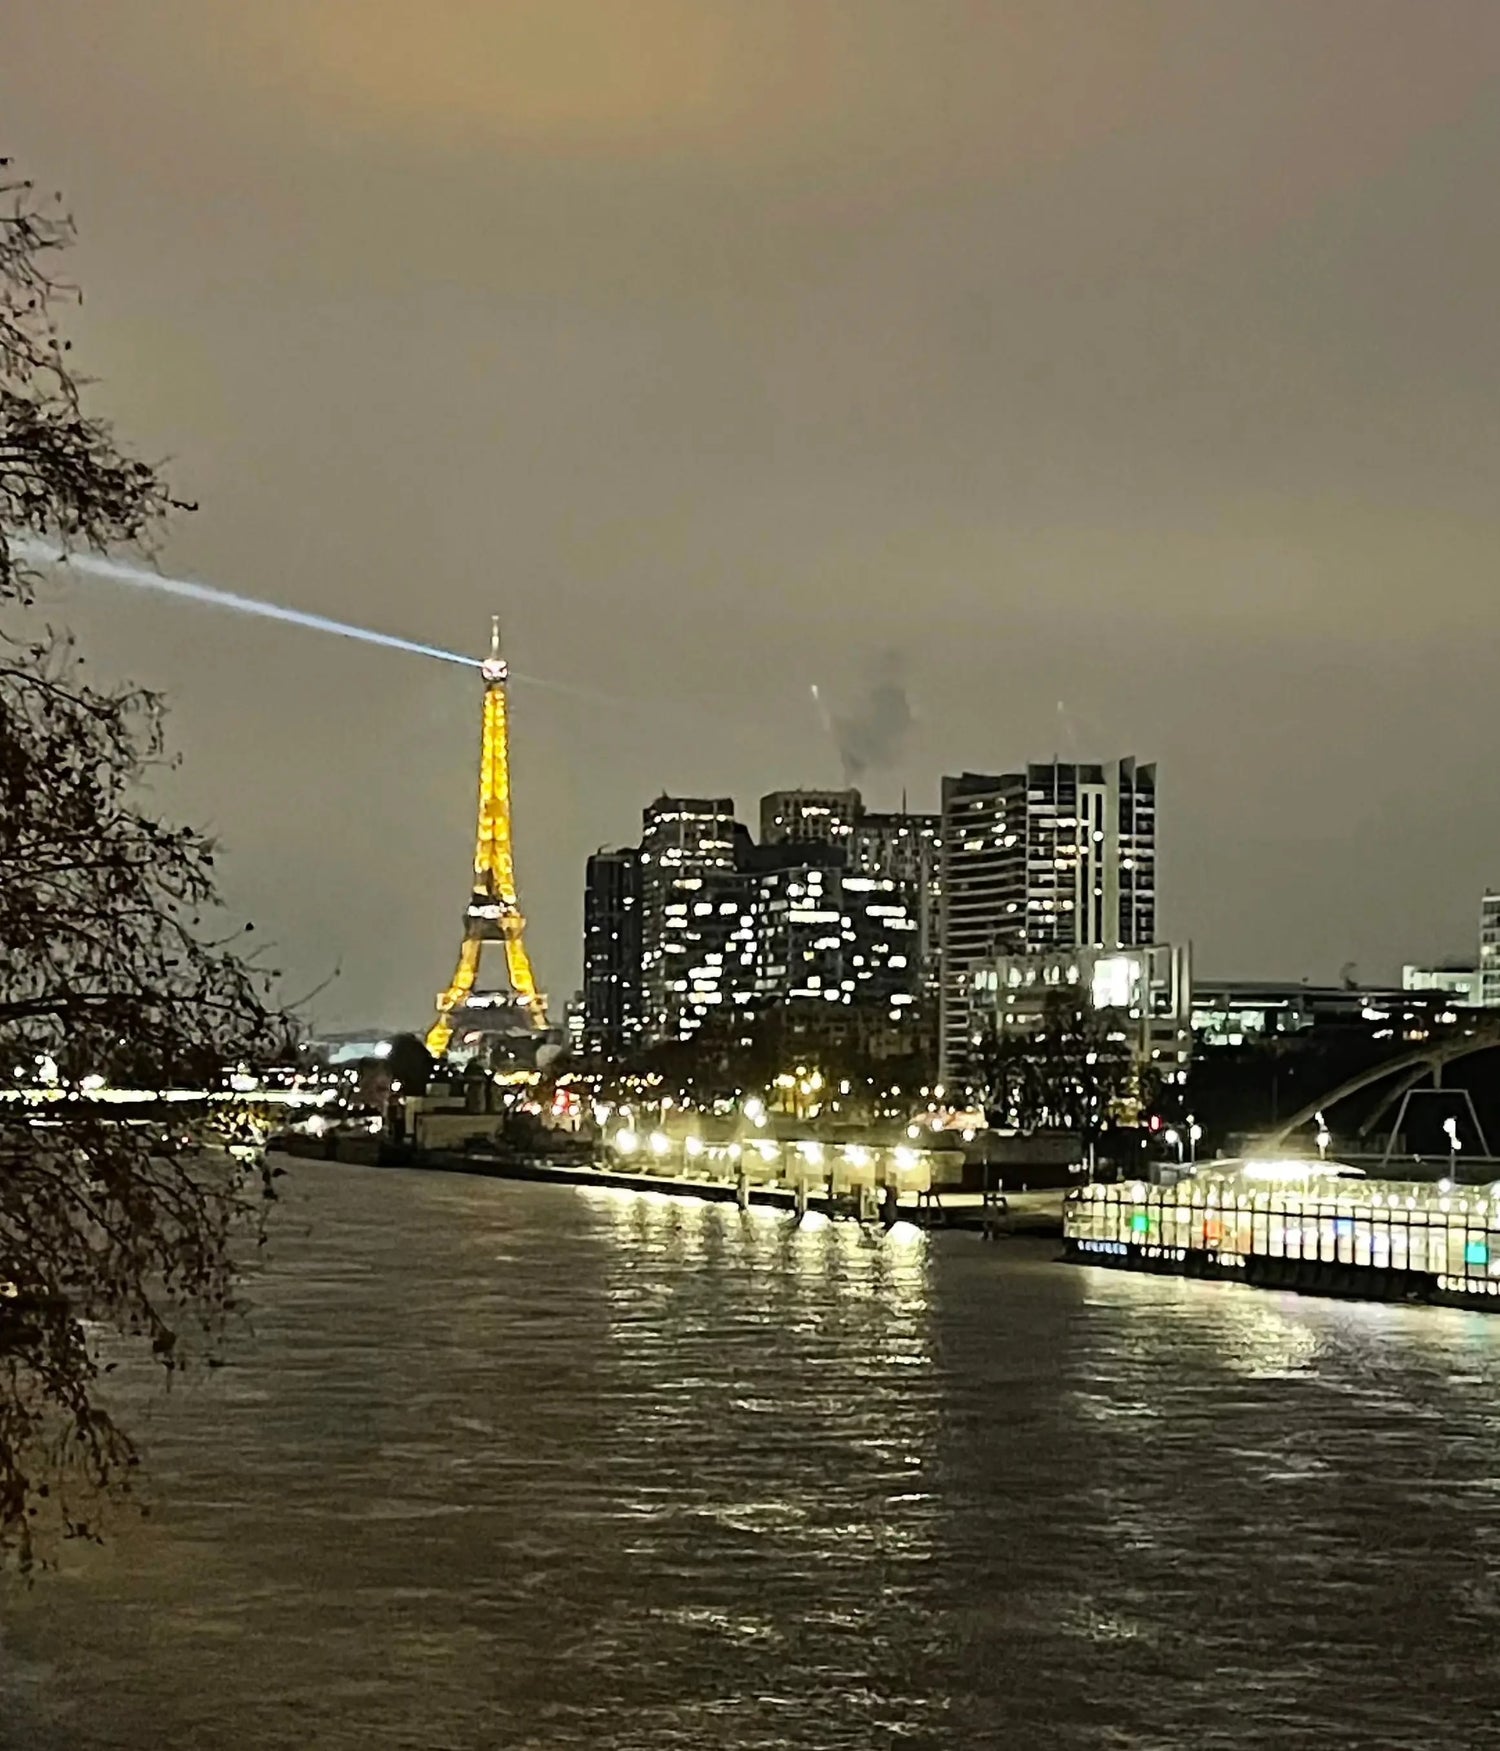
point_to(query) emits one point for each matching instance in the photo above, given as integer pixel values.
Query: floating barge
(1317, 1227)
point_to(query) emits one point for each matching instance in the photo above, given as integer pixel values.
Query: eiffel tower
(494, 912)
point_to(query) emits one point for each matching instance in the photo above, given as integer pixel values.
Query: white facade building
(1462, 982)
(1489, 951)
(1060, 856)
(1145, 994)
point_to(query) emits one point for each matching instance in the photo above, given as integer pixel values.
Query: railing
(1451, 1234)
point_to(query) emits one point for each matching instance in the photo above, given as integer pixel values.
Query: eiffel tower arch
(494, 926)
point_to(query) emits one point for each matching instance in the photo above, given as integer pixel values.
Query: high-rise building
(984, 895)
(612, 1007)
(907, 848)
(798, 922)
(826, 934)
(1489, 951)
(1059, 856)
(693, 905)
(904, 845)
(707, 959)
(825, 817)
(1090, 864)
(883, 937)
(901, 847)
(689, 833)
(1134, 796)
(719, 925)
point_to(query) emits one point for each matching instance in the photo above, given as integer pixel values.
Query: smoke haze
(872, 737)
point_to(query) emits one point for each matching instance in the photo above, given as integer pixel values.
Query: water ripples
(507, 1465)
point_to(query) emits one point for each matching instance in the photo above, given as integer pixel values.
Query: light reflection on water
(513, 1466)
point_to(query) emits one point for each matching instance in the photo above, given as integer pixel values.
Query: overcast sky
(1130, 366)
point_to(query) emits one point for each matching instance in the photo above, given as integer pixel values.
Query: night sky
(1139, 357)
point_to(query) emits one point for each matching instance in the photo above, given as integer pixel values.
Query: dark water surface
(514, 1466)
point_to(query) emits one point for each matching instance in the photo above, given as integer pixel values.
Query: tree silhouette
(1076, 1072)
(109, 1229)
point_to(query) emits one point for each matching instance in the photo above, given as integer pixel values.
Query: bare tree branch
(105, 967)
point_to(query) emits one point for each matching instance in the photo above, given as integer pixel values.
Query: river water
(515, 1466)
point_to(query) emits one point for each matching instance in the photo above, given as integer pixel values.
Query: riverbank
(1030, 1213)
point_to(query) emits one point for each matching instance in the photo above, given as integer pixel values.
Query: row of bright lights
(1358, 1194)
(94, 1088)
(628, 1142)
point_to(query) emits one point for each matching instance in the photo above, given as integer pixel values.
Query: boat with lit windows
(1317, 1227)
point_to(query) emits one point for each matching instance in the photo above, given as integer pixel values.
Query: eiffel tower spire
(494, 910)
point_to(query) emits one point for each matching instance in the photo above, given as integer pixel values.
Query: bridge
(1405, 1071)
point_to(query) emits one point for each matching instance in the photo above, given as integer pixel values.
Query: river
(520, 1467)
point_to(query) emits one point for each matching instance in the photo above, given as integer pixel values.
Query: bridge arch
(1423, 1060)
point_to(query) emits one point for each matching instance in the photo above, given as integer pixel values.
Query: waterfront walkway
(1011, 1212)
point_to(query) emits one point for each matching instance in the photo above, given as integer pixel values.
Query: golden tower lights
(494, 911)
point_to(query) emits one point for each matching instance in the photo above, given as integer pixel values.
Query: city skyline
(1165, 397)
(699, 927)
(751, 925)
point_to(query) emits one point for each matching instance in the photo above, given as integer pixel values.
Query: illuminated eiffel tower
(494, 912)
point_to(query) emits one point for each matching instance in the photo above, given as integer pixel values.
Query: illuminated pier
(1318, 1227)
